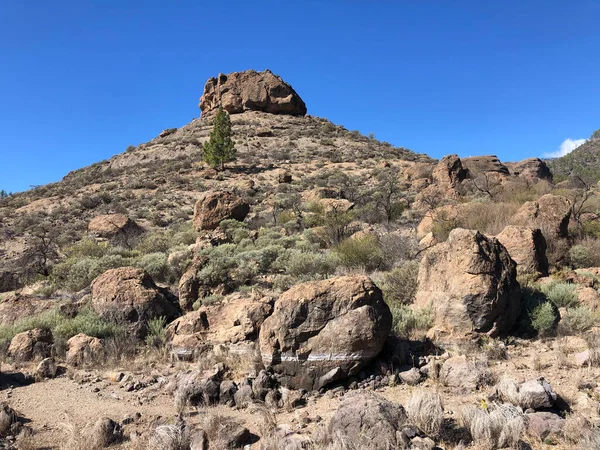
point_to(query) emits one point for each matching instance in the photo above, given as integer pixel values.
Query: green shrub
(543, 318)
(301, 264)
(156, 265)
(156, 336)
(577, 320)
(360, 252)
(561, 294)
(400, 285)
(407, 322)
(158, 242)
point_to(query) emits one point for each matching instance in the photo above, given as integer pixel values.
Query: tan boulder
(336, 204)
(527, 247)
(215, 206)
(551, 213)
(449, 172)
(111, 226)
(190, 284)
(36, 343)
(316, 194)
(83, 349)
(470, 284)
(230, 322)
(129, 294)
(477, 165)
(531, 168)
(589, 297)
(250, 90)
(323, 331)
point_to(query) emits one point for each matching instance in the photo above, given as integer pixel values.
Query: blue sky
(82, 80)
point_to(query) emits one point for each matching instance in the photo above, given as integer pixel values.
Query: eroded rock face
(531, 168)
(324, 331)
(470, 283)
(215, 206)
(527, 247)
(230, 322)
(129, 294)
(368, 421)
(114, 226)
(551, 213)
(449, 171)
(484, 164)
(250, 90)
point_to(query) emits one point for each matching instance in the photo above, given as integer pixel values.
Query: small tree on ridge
(220, 148)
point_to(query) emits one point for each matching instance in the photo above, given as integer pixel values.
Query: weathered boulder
(83, 349)
(324, 331)
(543, 424)
(469, 282)
(550, 212)
(477, 165)
(368, 421)
(214, 206)
(527, 247)
(115, 227)
(47, 368)
(460, 373)
(106, 432)
(531, 168)
(129, 294)
(229, 322)
(14, 307)
(36, 343)
(250, 90)
(449, 172)
(536, 393)
(190, 285)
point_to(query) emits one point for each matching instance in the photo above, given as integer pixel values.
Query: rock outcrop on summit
(250, 90)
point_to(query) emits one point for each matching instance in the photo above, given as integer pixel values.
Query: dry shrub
(169, 437)
(488, 217)
(579, 434)
(426, 411)
(499, 426)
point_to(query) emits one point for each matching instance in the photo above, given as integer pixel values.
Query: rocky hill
(583, 162)
(324, 291)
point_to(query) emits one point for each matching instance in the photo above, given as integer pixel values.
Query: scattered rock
(534, 394)
(470, 283)
(250, 90)
(36, 343)
(46, 369)
(527, 247)
(215, 206)
(458, 372)
(118, 228)
(544, 424)
(368, 421)
(84, 349)
(411, 376)
(129, 295)
(324, 331)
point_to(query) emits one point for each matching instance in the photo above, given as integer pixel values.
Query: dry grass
(499, 426)
(426, 411)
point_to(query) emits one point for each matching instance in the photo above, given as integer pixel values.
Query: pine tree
(219, 149)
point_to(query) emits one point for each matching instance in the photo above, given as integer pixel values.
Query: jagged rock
(411, 376)
(531, 168)
(527, 247)
(284, 177)
(36, 343)
(544, 424)
(262, 384)
(214, 206)
(84, 349)
(250, 90)
(230, 322)
(198, 388)
(116, 227)
(243, 396)
(46, 369)
(449, 172)
(470, 283)
(227, 392)
(550, 212)
(190, 284)
(534, 394)
(368, 421)
(128, 294)
(477, 165)
(324, 331)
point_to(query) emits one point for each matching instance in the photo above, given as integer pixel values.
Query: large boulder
(230, 322)
(368, 421)
(477, 165)
(449, 172)
(323, 331)
(115, 227)
(470, 284)
(215, 206)
(550, 212)
(527, 247)
(531, 168)
(36, 343)
(129, 294)
(250, 90)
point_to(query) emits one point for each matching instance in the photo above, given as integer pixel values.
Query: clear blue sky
(81, 80)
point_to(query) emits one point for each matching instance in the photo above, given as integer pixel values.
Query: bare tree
(42, 249)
